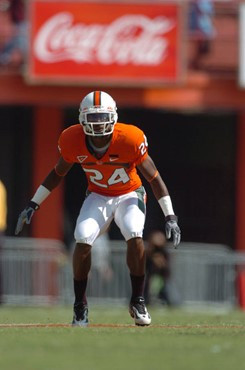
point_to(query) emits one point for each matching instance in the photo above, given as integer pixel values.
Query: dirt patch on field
(123, 326)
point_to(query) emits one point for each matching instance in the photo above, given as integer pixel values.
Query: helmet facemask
(97, 123)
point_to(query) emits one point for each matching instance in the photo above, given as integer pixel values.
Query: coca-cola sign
(79, 42)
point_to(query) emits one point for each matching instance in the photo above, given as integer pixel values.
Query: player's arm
(148, 169)
(56, 175)
(53, 179)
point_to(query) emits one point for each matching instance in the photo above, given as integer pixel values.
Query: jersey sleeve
(65, 147)
(141, 147)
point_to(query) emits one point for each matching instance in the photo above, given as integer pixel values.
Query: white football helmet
(98, 114)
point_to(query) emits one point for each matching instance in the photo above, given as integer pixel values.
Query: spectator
(13, 38)
(157, 269)
(200, 20)
(201, 29)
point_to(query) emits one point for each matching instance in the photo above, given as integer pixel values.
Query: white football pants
(98, 211)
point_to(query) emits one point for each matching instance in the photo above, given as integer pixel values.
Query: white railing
(39, 271)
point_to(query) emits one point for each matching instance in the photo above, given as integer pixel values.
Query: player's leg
(136, 264)
(81, 268)
(91, 222)
(130, 218)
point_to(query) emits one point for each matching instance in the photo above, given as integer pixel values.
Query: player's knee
(135, 242)
(85, 240)
(83, 246)
(85, 235)
(130, 235)
(81, 250)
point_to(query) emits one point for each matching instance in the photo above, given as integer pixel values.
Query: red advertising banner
(110, 43)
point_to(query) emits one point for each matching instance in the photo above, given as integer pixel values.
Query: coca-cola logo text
(135, 39)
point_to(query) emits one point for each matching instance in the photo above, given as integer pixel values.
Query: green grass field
(177, 340)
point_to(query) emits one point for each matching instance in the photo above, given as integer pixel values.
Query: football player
(110, 153)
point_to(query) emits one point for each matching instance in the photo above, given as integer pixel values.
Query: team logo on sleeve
(113, 157)
(81, 158)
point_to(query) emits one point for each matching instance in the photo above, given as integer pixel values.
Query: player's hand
(26, 216)
(172, 229)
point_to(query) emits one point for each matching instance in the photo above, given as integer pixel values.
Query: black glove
(26, 216)
(172, 228)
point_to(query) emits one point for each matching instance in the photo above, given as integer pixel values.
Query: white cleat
(80, 317)
(139, 313)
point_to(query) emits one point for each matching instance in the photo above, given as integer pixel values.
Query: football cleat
(139, 313)
(80, 317)
(98, 114)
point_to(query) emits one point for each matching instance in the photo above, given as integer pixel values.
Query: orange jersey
(115, 173)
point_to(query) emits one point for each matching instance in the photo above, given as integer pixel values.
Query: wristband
(166, 205)
(171, 218)
(41, 194)
(33, 205)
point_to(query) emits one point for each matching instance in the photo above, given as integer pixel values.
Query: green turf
(184, 341)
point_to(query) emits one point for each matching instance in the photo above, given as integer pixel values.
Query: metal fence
(39, 272)
(30, 270)
(206, 274)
